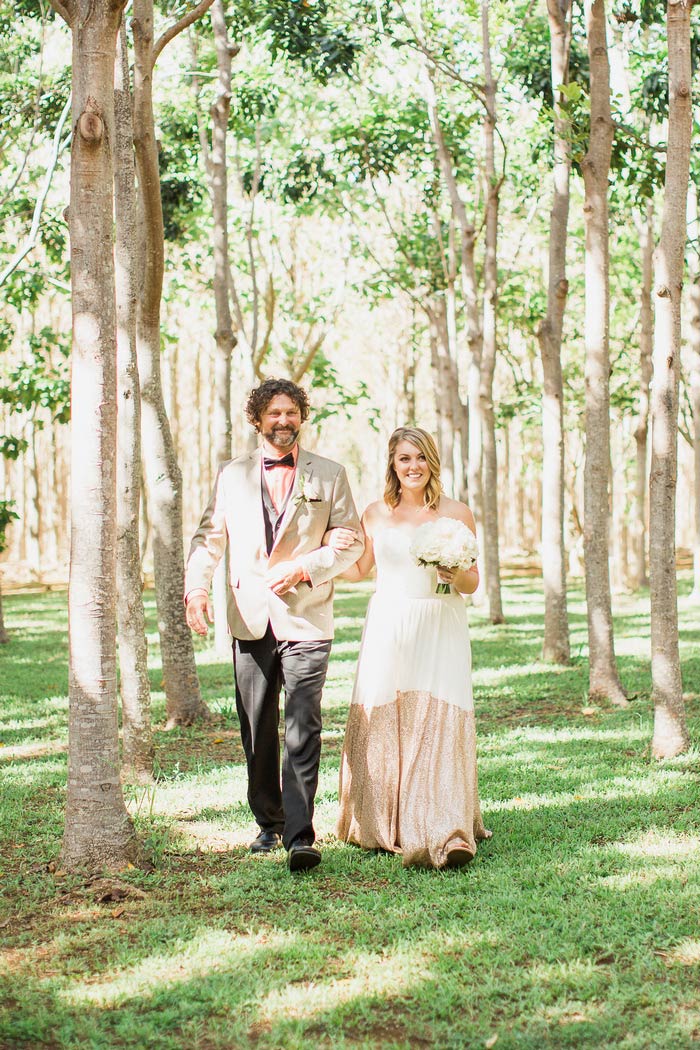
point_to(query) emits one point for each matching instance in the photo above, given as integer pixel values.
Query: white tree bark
(556, 622)
(670, 730)
(640, 576)
(98, 832)
(492, 188)
(604, 681)
(184, 703)
(694, 376)
(135, 688)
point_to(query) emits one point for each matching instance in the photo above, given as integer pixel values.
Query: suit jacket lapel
(254, 495)
(303, 470)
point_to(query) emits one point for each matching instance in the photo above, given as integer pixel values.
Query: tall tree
(184, 703)
(694, 376)
(604, 681)
(556, 622)
(670, 730)
(7, 515)
(135, 688)
(98, 831)
(492, 189)
(641, 428)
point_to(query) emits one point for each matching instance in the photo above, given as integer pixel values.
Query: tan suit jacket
(320, 499)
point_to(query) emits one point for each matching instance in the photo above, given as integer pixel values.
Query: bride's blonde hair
(423, 441)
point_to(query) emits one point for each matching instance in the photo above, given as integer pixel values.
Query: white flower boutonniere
(308, 491)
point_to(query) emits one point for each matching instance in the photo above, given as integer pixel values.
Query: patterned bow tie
(286, 461)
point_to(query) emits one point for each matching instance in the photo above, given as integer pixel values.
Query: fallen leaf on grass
(589, 711)
(117, 912)
(219, 740)
(491, 1041)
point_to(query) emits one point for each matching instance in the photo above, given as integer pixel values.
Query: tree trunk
(217, 171)
(489, 343)
(184, 703)
(4, 639)
(694, 381)
(98, 831)
(641, 429)
(604, 681)
(556, 647)
(218, 188)
(135, 688)
(444, 404)
(670, 731)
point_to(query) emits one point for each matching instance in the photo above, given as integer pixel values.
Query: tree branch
(177, 28)
(31, 240)
(66, 9)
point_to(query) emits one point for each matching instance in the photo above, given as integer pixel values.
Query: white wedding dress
(408, 781)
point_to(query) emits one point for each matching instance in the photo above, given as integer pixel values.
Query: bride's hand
(446, 575)
(339, 539)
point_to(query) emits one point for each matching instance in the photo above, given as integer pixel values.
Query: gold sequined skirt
(408, 779)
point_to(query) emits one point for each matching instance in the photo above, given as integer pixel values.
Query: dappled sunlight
(687, 953)
(655, 843)
(496, 675)
(35, 750)
(539, 735)
(374, 974)
(186, 796)
(615, 788)
(641, 877)
(209, 836)
(209, 952)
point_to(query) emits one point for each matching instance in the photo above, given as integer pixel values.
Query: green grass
(576, 926)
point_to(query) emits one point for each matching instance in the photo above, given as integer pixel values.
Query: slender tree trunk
(137, 739)
(641, 429)
(4, 639)
(218, 188)
(444, 382)
(670, 731)
(604, 681)
(184, 703)
(556, 623)
(694, 380)
(217, 171)
(98, 832)
(489, 338)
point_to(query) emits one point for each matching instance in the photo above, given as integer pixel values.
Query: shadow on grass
(546, 939)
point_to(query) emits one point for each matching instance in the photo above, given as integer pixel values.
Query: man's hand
(284, 576)
(199, 610)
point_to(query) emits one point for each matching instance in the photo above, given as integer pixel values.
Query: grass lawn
(577, 925)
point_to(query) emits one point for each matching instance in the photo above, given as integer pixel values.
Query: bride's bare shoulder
(374, 513)
(453, 508)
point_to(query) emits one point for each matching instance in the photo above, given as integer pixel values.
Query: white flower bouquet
(447, 542)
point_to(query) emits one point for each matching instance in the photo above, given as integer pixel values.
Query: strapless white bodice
(398, 573)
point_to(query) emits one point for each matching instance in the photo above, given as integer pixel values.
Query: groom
(269, 512)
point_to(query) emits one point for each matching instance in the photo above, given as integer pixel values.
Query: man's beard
(281, 438)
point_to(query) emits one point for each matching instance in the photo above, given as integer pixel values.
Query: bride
(408, 781)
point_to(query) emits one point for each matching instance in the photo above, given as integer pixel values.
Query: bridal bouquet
(445, 542)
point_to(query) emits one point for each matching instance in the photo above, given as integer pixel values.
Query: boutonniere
(308, 493)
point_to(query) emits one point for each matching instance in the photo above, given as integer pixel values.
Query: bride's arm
(363, 566)
(465, 581)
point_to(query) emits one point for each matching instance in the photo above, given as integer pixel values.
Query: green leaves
(302, 31)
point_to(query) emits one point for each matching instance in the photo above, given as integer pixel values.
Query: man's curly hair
(262, 395)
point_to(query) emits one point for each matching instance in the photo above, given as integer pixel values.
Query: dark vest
(271, 517)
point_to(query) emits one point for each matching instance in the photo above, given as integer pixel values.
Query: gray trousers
(285, 803)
